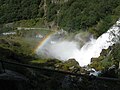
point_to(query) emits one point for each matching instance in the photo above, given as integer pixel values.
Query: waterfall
(57, 47)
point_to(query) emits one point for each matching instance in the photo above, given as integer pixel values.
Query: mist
(81, 47)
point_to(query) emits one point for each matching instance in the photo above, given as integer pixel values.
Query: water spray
(56, 46)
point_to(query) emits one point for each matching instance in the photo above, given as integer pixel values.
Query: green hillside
(32, 20)
(95, 16)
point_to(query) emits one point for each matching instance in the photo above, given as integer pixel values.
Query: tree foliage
(12, 10)
(72, 15)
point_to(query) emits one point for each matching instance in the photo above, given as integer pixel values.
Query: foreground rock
(13, 81)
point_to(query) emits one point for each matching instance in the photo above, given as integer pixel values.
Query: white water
(57, 47)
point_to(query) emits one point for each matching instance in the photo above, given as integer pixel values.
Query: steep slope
(72, 15)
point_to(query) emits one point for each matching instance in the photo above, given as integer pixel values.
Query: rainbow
(43, 42)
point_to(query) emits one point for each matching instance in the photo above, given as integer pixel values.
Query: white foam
(65, 49)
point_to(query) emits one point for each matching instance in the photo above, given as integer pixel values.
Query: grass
(37, 22)
(39, 61)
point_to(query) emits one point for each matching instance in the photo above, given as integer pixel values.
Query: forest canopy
(96, 16)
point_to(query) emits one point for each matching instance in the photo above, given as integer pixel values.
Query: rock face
(13, 81)
(72, 61)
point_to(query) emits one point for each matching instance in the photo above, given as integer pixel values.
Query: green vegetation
(37, 23)
(109, 58)
(13, 48)
(13, 10)
(104, 61)
(95, 16)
